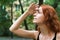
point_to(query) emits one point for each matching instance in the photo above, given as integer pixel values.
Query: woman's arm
(15, 26)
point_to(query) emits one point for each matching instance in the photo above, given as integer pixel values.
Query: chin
(35, 22)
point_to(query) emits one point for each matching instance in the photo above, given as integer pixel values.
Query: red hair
(51, 18)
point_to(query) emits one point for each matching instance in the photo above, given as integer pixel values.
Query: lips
(35, 18)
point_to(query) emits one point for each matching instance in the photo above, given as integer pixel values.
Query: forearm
(17, 23)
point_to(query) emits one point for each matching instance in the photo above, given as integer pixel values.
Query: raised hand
(32, 8)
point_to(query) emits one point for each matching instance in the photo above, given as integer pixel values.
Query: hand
(32, 8)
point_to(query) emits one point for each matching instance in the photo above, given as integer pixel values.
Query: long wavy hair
(51, 18)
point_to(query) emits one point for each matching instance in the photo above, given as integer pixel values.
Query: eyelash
(38, 11)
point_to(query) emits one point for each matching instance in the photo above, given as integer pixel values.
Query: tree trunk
(25, 22)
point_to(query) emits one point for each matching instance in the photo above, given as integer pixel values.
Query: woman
(45, 17)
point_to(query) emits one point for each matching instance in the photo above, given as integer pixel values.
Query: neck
(44, 29)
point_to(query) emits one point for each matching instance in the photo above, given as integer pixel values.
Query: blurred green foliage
(4, 22)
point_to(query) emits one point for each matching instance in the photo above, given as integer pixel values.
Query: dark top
(53, 38)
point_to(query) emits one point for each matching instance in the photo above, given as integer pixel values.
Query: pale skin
(38, 19)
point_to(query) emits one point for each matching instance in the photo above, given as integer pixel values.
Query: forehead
(40, 9)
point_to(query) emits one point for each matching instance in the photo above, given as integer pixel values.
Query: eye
(38, 11)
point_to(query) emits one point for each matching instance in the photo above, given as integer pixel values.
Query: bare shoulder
(58, 36)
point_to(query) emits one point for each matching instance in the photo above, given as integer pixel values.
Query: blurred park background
(10, 10)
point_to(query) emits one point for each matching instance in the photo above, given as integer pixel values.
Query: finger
(37, 5)
(36, 9)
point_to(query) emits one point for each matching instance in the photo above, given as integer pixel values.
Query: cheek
(40, 19)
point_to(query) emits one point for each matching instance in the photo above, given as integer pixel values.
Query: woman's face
(38, 16)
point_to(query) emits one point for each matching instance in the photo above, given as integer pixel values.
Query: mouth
(35, 18)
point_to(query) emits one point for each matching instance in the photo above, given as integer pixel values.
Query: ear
(58, 36)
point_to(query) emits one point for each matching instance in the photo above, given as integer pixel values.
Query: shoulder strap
(38, 36)
(55, 37)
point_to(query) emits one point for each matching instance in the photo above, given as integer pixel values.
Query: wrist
(28, 12)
